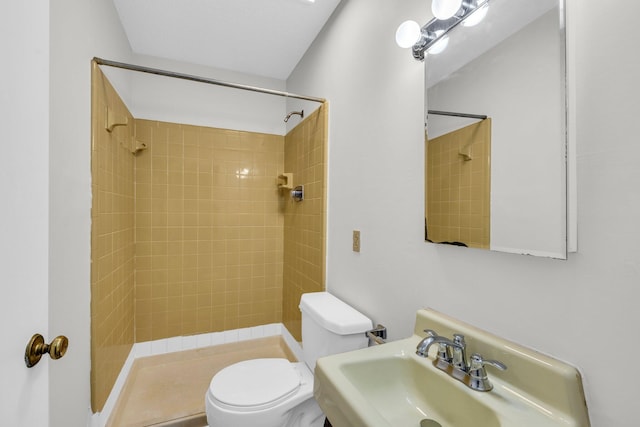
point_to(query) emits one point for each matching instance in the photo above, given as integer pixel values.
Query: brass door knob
(37, 347)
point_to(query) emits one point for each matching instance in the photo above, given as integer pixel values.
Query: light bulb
(408, 34)
(445, 9)
(477, 16)
(438, 46)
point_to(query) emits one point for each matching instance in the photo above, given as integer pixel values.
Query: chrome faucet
(452, 359)
(459, 356)
(432, 337)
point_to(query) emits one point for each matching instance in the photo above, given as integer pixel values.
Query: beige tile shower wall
(304, 231)
(112, 244)
(209, 232)
(458, 190)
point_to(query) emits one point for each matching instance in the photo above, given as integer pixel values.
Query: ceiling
(261, 37)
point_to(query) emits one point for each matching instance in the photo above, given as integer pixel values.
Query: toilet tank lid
(334, 314)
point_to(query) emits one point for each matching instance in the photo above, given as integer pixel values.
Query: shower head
(299, 113)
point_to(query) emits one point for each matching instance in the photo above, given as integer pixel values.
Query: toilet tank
(330, 326)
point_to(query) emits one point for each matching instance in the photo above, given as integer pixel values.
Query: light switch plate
(356, 240)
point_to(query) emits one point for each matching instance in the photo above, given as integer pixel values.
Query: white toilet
(276, 392)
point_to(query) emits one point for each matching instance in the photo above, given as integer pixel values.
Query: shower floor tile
(169, 389)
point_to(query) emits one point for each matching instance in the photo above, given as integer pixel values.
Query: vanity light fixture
(441, 43)
(407, 34)
(445, 9)
(477, 17)
(432, 37)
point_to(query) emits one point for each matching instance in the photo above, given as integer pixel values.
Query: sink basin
(388, 385)
(403, 392)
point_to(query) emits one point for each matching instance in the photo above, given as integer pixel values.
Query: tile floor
(169, 390)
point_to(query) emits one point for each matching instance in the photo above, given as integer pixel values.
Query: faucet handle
(478, 363)
(431, 333)
(478, 379)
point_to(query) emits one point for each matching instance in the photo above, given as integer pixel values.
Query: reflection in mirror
(499, 183)
(458, 185)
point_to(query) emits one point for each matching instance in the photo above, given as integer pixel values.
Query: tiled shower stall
(190, 232)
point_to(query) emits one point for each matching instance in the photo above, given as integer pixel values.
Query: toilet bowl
(263, 393)
(276, 392)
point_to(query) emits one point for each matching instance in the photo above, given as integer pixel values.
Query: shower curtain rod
(165, 73)
(449, 113)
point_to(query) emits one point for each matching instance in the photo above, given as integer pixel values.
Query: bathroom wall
(458, 189)
(304, 222)
(376, 155)
(209, 230)
(112, 239)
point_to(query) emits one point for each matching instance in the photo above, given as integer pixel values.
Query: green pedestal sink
(390, 386)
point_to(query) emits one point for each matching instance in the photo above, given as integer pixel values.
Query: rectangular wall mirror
(499, 182)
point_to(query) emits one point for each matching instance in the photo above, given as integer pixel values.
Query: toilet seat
(255, 384)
